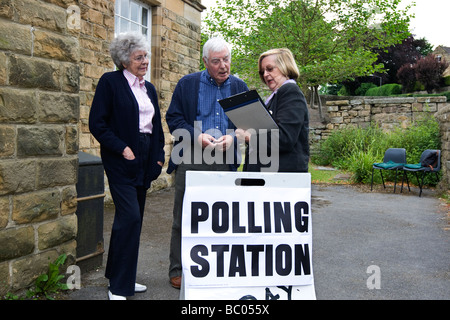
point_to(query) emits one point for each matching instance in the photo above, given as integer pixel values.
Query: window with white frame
(133, 15)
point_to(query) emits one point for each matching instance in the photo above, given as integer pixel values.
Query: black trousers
(129, 201)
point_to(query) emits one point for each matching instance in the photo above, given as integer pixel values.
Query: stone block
(18, 106)
(36, 206)
(34, 73)
(17, 176)
(7, 141)
(40, 14)
(56, 232)
(58, 107)
(69, 200)
(71, 140)
(25, 270)
(5, 278)
(16, 242)
(55, 46)
(57, 172)
(38, 141)
(4, 211)
(3, 69)
(71, 77)
(15, 37)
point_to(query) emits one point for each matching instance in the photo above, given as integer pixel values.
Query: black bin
(90, 197)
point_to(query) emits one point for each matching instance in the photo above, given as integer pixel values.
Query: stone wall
(39, 111)
(52, 54)
(443, 116)
(388, 113)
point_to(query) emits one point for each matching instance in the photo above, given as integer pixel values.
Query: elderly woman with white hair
(125, 119)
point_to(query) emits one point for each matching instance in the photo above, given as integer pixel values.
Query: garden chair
(394, 159)
(424, 167)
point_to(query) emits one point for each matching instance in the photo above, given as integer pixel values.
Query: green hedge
(385, 90)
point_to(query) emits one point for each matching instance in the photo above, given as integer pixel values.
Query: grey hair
(215, 45)
(124, 45)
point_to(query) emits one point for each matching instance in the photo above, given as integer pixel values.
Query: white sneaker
(115, 297)
(139, 288)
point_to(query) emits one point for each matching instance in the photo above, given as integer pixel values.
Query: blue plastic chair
(417, 167)
(394, 159)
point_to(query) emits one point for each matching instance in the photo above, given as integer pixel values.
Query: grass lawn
(321, 174)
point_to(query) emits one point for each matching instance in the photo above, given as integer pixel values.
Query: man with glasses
(195, 110)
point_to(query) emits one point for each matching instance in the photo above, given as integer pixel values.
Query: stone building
(52, 53)
(443, 53)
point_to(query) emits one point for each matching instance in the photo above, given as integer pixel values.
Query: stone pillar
(39, 112)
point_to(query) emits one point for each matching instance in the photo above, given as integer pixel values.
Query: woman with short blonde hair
(285, 62)
(287, 104)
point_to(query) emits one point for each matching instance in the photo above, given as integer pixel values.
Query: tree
(406, 75)
(429, 71)
(332, 40)
(409, 51)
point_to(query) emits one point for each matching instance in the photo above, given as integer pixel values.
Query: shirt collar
(132, 79)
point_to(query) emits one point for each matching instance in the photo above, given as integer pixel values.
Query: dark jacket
(289, 109)
(114, 122)
(182, 111)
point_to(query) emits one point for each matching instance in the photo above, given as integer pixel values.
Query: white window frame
(124, 21)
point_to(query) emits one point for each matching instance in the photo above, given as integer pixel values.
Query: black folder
(247, 111)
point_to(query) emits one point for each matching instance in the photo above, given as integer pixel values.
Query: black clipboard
(247, 111)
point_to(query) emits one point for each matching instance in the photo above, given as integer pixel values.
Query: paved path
(402, 236)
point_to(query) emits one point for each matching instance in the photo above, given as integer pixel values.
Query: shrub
(356, 149)
(429, 71)
(407, 77)
(361, 91)
(385, 90)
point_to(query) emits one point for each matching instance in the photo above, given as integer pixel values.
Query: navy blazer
(182, 111)
(114, 122)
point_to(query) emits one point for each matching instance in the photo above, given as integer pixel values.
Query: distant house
(443, 53)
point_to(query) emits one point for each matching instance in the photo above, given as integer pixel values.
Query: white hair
(124, 45)
(215, 45)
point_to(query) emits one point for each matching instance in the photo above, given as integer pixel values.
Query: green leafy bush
(356, 149)
(385, 90)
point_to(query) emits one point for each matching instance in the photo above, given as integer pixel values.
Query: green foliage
(361, 91)
(446, 81)
(49, 283)
(385, 90)
(332, 40)
(356, 149)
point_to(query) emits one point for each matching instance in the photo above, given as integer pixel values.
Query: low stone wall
(388, 113)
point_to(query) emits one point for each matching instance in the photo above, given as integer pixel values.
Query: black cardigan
(114, 122)
(289, 109)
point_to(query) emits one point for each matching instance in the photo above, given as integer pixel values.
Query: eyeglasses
(140, 58)
(269, 69)
(217, 61)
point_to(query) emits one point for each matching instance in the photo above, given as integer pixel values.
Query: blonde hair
(285, 63)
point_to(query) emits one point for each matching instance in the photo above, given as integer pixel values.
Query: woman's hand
(128, 153)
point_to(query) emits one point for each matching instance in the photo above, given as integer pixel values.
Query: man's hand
(242, 135)
(224, 143)
(206, 140)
